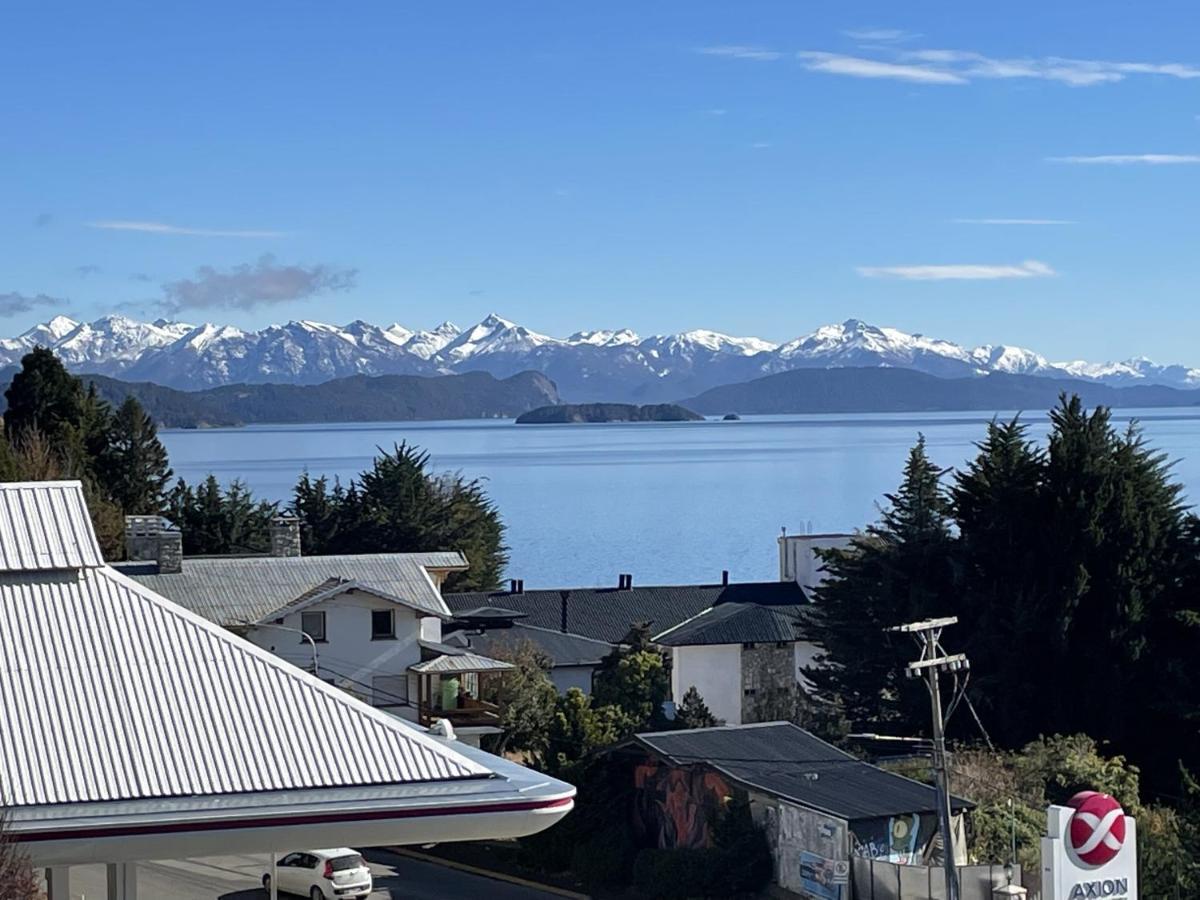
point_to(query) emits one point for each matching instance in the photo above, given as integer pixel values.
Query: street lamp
(304, 634)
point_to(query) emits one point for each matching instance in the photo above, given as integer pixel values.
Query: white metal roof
(112, 692)
(460, 662)
(45, 526)
(232, 590)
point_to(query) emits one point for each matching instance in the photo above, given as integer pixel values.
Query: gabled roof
(132, 728)
(564, 649)
(786, 761)
(607, 613)
(336, 587)
(231, 590)
(45, 526)
(459, 661)
(738, 623)
(113, 693)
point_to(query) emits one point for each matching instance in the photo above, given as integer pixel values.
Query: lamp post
(304, 634)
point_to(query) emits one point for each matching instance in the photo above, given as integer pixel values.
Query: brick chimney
(154, 539)
(285, 536)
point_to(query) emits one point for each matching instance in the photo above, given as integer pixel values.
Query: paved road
(238, 877)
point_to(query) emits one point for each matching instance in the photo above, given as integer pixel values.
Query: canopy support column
(58, 883)
(122, 881)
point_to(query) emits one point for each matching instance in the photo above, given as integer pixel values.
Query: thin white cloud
(1130, 159)
(881, 35)
(942, 66)
(164, 228)
(1015, 222)
(860, 67)
(760, 145)
(741, 51)
(1030, 268)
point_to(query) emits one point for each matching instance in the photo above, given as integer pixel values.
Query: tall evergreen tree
(218, 521)
(133, 466)
(633, 678)
(900, 570)
(44, 398)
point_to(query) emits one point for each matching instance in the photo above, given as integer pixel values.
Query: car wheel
(267, 884)
(316, 893)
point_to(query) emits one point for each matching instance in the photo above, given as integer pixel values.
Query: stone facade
(285, 536)
(768, 682)
(154, 539)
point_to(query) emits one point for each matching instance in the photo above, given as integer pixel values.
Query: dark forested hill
(359, 398)
(904, 390)
(573, 413)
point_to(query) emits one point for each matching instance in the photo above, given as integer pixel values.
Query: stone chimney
(285, 536)
(154, 539)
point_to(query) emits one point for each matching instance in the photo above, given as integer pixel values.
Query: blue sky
(757, 168)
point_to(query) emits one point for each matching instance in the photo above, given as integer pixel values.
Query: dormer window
(383, 624)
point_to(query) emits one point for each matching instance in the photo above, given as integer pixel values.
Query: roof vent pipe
(564, 596)
(724, 578)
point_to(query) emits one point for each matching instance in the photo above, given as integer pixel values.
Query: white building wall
(349, 654)
(798, 558)
(716, 672)
(567, 677)
(806, 657)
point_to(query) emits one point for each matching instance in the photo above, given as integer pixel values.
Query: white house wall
(567, 677)
(348, 652)
(716, 672)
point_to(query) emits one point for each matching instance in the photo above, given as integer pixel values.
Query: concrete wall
(715, 671)
(798, 835)
(798, 559)
(348, 652)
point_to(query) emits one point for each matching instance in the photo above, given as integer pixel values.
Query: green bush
(605, 861)
(680, 874)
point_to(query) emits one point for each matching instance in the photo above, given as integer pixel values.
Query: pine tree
(45, 398)
(633, 678)
(133, 466)
(693, 712)
(900, 570)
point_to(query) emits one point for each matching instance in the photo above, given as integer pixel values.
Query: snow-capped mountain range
(589, 365)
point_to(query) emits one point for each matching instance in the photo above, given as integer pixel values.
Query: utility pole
(929, 665)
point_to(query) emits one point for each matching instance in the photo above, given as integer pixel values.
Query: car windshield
(342, 863)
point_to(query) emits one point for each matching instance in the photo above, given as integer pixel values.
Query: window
(749, 645)
(781, 645)
(313, 624)
(383, 624)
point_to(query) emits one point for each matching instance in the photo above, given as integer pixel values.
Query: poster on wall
(819, 877)
(898, 839)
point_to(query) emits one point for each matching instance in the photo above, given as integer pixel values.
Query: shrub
(679, 874)
(606, 860)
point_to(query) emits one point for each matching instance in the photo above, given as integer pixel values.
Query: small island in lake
(731, 417)
(570, 413)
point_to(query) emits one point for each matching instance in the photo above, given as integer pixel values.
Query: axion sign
(1090, 850)
(1097, 827)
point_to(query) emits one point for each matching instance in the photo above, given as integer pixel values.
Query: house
(495, 631)
(135, 729)
(745, 659)
(369, 623)
(798, 559)
(698, 655)
(820, 806)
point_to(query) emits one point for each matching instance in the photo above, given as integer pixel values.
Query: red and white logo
(1097, 827)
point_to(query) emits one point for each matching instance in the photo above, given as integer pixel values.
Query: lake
(668, 502)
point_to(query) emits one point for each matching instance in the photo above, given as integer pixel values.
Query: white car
(322, 874)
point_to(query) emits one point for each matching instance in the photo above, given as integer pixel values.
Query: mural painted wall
(674, 806)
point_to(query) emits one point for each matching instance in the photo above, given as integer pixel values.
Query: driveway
(240, 877)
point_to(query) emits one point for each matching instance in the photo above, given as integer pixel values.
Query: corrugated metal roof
(782, 759)
(564, 649)
(45, 526)
(110, 692)
(608, 613)
(738, 623)
(230, 590)
(460, 661)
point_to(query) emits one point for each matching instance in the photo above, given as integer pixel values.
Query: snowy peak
(606, 364)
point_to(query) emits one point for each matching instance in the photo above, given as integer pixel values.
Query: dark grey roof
(738, 623)
(564, 649)
(607, 613)
(489, 614)
(230, 590)
(784, 760)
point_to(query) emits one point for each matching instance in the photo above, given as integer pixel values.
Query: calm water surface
(669, 502)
